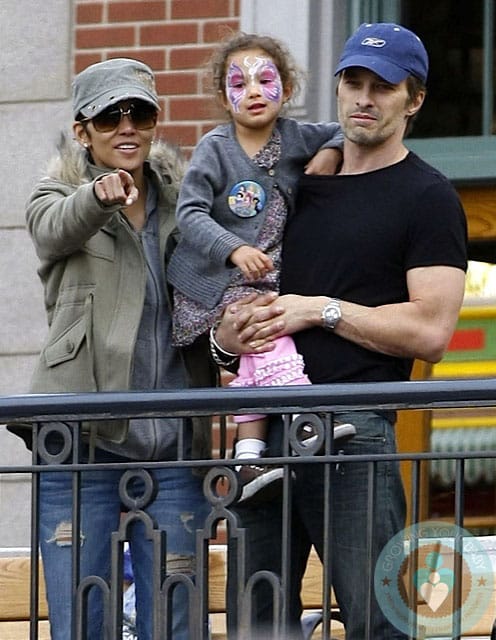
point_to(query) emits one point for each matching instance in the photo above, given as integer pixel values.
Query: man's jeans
(349, 503)
(179, 509)
(349, 500)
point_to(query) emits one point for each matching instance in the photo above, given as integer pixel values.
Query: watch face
(331, 315)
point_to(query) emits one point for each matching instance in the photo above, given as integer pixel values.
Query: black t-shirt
(355, 237)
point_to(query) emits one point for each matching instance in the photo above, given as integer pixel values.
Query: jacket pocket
(101, 245)
(72, 297)
(66, 346)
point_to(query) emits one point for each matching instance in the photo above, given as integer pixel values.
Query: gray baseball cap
(105, 83)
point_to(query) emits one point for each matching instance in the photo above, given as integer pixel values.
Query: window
(457, 126)
(460, 87)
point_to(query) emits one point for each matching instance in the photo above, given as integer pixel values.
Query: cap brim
(111, 97)
(386, 70)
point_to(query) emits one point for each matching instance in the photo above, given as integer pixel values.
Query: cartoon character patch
(246, 199)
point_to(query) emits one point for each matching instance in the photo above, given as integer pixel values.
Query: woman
(100, 223)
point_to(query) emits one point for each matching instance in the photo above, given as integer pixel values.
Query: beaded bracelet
(220, 356)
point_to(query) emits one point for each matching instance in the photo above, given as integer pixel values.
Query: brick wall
(174, 37)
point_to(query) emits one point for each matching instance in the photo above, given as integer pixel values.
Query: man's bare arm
(419, 328)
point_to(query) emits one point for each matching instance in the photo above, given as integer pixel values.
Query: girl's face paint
(252, 75)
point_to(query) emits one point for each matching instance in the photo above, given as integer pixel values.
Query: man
(373, 277)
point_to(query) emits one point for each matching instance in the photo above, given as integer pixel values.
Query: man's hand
(252, 324)
(116, 187)
(253, 263)
(325, 162)
(285, 315)
(241, 321)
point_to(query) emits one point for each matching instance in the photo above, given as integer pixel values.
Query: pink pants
(280, 367)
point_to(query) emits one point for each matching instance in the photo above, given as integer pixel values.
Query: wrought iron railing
(321, 400)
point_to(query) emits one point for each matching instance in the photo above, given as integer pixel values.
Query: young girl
(232, 208)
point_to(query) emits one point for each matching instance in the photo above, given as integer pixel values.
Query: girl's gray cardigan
(210, 231)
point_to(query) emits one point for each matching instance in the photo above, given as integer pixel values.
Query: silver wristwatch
(331, 314)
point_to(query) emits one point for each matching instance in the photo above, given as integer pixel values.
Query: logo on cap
(373, 42)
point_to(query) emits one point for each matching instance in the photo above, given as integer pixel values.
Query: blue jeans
(179, 509)
(348, 497)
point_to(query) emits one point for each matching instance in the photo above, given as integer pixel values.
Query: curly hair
(284, 61)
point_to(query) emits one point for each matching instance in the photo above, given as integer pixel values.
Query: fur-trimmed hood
(72, 164)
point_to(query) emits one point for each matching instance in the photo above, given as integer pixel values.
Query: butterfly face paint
(257, 72)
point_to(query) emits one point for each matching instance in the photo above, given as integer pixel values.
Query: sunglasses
(142, 115)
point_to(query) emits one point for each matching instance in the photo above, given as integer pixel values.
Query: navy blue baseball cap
(389, 50)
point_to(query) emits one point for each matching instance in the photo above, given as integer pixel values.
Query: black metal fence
(322, 400)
